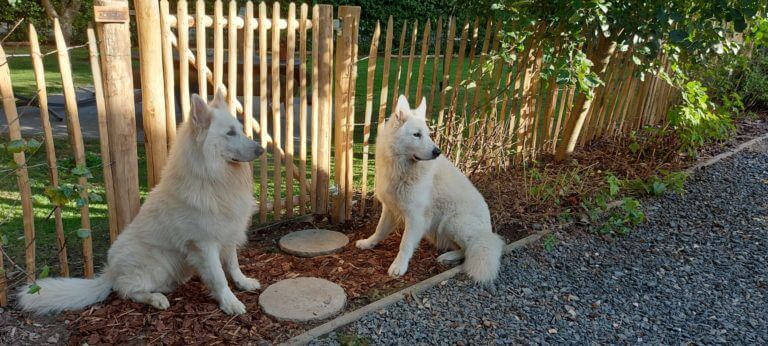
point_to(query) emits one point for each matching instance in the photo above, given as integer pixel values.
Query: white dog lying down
(192, 222)
(418, 186)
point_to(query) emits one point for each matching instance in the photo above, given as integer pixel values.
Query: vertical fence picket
(168, 73)
(277, 207)
(182, 29)
(76, 142)
(50, 150)
(423, 60)
(372, 55)
(202, 54)
(232, 62)
(263, 174)
(303, 108)
(218, 43)
(289, 97)
(399, 65)
(22, 177)
(409, 70)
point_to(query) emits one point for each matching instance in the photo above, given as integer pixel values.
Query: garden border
(347, 318)
(719, 157)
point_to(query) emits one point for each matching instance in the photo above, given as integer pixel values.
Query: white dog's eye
(231, 133)
(417, 134)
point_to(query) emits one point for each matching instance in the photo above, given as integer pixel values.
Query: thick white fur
(432, 197)
(192, 222)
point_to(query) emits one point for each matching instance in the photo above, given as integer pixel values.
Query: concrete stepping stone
(303, 299)
(313, 242)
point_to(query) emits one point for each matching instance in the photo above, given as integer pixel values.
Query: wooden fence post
(152, 87)
(115, 49)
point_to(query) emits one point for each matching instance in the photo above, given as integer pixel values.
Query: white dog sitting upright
(192, 222)
(418, 186)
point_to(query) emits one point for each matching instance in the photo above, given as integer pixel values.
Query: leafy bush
(697, 120)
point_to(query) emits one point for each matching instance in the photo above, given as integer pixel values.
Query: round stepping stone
(303, 299)
(313, 242)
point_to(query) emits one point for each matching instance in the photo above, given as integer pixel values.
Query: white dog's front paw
(248, 284)
(364, 244)
(398, 268)
(159, 301)
(231, 305)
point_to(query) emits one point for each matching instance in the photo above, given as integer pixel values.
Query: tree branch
(49, 9)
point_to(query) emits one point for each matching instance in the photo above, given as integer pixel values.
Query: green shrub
(697, 120)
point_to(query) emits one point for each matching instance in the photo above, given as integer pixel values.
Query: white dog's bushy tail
(58, 294)
(483, 257)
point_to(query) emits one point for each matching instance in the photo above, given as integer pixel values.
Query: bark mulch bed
(194, 317)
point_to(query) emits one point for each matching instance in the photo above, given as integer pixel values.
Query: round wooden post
(115, 52)
(152, 87)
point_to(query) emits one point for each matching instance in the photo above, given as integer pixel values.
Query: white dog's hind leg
(451, 257)
(205, 258)
(157, 300)
(232, 266)
(414, 231)
(387, 223)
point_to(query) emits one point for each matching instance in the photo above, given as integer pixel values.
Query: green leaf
(12, 164)
(602, 7)
(658, 188)
(33, 144)
(634, 147)
(33, 288)
(56, 196)
(16, 146)
(44, 272)
(95, 197)
(636, 60)
(83, 233)
(82, 171)
(613, 185)
(677, 35)
(4, 239)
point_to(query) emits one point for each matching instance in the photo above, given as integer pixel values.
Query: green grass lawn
(23, 76)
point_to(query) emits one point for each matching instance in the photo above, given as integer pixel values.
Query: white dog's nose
(259, 150)
(435, 152)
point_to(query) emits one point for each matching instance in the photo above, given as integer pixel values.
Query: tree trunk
(66, 15)
(581, 105)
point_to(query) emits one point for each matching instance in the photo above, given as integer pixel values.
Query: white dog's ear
(219, 99)
(402, 109)
(421, 111)
(200, 113)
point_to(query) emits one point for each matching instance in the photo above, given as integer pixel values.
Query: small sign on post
(110, 14)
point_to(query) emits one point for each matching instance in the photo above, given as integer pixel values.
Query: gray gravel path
(696, 272)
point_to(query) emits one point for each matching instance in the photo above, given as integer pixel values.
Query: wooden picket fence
(509, 115)
(297, 63)
(75, 142)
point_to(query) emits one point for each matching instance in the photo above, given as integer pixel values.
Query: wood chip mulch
(194, 317)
